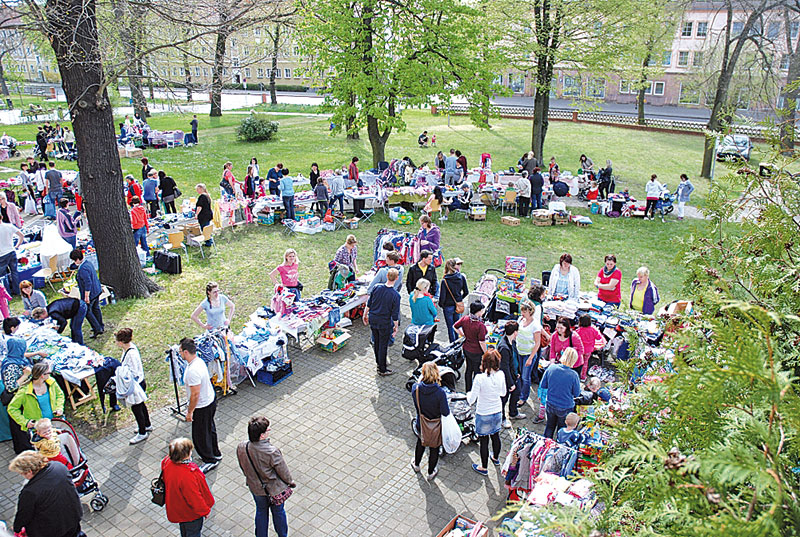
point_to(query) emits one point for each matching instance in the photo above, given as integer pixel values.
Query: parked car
(735, 147)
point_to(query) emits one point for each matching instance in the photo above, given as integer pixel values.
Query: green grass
(245, 256)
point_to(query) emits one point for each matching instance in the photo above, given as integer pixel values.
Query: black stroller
(449, 357)
(418, 342)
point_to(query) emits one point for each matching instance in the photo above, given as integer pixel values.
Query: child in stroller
(449, 356)
(85, 483)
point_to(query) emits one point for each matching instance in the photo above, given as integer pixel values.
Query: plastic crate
(271, 378)
(266, 219)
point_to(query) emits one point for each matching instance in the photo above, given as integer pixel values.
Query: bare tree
(791, 91)
(278, 37)
(10, 42)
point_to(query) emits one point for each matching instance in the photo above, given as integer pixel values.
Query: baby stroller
(418, 342)
(665, 204)
(80, 472)
(486, 287)
(462, 411)
(449, 357)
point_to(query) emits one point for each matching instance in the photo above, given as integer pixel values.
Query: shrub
(257, 128)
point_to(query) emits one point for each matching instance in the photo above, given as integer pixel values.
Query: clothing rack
(518, 433)
(176, 410)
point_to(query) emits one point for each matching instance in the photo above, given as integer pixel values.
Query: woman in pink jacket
(563, 339)
(9, 211)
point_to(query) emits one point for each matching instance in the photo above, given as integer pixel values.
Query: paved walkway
(346, 435)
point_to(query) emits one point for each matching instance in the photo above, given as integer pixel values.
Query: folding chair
(509, 201)
(367, 214)
(52, 274)
(288, 226)
(200, 240)
(175, 239)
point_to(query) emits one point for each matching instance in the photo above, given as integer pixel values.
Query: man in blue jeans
(90, 289)
(267, 476)
(8, 255)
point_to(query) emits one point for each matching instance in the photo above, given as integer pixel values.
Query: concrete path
(346, 435)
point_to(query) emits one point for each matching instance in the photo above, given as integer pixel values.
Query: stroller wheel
(103, 498)
(413, 426)
(97, 504)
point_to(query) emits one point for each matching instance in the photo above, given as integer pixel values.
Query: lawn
(246, 255)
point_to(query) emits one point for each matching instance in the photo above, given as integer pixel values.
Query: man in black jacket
(537, 185)
(61, 311)
(383, 315)
(48, 503)
(423, 269)
(509, 365)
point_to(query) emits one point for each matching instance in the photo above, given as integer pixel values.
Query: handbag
(430, 431)
(6, 397)
(178, 192)
(158, 490)
(277, 499)
(459, 305)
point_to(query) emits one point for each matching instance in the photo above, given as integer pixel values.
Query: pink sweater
(589, 336)
(557, 346)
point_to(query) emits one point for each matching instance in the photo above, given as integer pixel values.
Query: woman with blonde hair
(288, 272)
(431, 402)
(644, 293)
(488, 389)
(423, 311)
(214, 306)
(563, 385)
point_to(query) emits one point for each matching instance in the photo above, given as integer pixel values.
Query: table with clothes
(73, 364)
(233, 358)
(415, 194)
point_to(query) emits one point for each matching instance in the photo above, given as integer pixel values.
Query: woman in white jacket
(565, 280)
(132, 370)
(652, 190)
(488, 390)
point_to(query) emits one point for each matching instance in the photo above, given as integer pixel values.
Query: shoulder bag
(459, 304)
(158, 490)
(430, 431)
(277, 499)
(6, 396)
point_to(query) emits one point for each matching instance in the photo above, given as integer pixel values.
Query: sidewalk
(345, 433)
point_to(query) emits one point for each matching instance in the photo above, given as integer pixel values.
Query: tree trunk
(729, 60)
(72, 32)
(152, 91)
(187, 77)
(3, 85)
(640, 94)
(273, 94)
(350, 127)
(377, 140)
(216, 75)
(127, 34)
(790, 93)
(541, 108)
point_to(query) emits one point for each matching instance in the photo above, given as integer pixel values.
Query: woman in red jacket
(188, 498)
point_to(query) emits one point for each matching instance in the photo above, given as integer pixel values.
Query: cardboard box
(350, 223)
(478, 217)
(477, 209)
(510, 221)
(335, 340)
(465, 524)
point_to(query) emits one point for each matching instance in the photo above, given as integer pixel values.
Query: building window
(624, 87)
(794, 27)
(697, 60)
(247, 72)
(736, 29)
(683, 58)
(277, 73)
(516, 82)
(773, 29)
(235, 62)
(233, 42)
(784, 65)
(571, 86)
(689, 95)
(287, 73)
(667, 59)
(702, 29)
(163, 72)
(596, 88)
(658, 88)
(260, 73)
(245, 51)
(295, 50)
(205, 71)
(257, 32)
(174, 71)
(686, 29)
(196, 71)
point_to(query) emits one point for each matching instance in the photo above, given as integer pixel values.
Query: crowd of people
(55, 136)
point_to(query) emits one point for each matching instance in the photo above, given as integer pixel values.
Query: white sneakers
(139, 438)
(506, 423)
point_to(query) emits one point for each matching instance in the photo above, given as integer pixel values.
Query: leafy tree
(377, 57)
(538, 35)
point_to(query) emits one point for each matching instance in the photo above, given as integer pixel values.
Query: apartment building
(682, 67)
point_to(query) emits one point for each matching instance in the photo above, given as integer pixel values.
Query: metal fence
(606, 118)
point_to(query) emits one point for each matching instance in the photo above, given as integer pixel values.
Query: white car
(735, 147)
